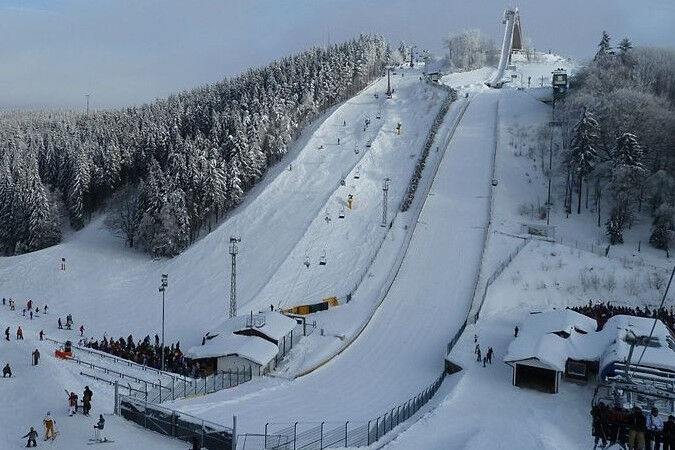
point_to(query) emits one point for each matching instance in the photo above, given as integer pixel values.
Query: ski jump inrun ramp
(513, 40)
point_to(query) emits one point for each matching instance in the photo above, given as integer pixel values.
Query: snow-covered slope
(401, 351)
(110, 288)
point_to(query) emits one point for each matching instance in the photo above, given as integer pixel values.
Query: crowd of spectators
(602, 311)
(146, 353)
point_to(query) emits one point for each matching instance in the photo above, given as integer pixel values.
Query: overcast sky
(126, 52)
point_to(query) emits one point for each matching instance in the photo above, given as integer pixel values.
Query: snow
(281, 221)
(401, 350)
(253, 348)
(482, 408)
(35, 390)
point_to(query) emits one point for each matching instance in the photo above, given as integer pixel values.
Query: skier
(489, 355)
(338, 141)
(72, 401)
(45, 309)
(81, 330)
(42, 335)
(6, 371)
(49, 426)
(7, 333)
(86, 400)
(100, 435)
(478, 355)
(484, 360)
(31, 315)
(31, 435)
(515, 331)
(29, 304)
(36, 357)
(60, 324)
(19, 333)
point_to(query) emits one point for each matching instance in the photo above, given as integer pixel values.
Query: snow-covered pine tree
(583, 152)
(604, 48)
(663, 227)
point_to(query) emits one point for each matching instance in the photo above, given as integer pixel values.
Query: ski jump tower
(513, 42)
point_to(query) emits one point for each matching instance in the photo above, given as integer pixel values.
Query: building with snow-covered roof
(256, 341)
(540, 353)
(564, 343)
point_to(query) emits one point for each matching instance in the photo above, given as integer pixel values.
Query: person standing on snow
(6, 371)
(36, 357)
(19, 334)
(42, 335)
(49, 423)
(515, 331)
(86, 400)
(100, 434)
(81, 330)
(72, 401)
(489, 355)
(7, 333)
(31, 435)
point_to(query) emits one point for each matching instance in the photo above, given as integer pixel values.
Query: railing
(118, 360)
(320, 435)
(177, 424)
(112, 383)
(119, 374)
(201, 386)
(498, 271)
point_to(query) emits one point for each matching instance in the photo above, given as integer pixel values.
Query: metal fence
(176, 424)
(200, 386)
(498, 271)
(320, 435)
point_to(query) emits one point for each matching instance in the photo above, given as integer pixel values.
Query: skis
(96, 441)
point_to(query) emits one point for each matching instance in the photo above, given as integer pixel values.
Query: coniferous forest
(168, 170)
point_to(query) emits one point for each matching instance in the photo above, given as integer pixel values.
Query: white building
(255, 341)
(564, 343)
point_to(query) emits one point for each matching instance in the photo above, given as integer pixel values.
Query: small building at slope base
(563, 344)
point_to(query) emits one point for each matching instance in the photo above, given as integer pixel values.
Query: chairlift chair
(357, 174)
(306, 263)
(342, 213)
(322, 259)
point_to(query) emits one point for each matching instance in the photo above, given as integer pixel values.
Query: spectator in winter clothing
(668, 437)
(72, 401)
(6, 371)
(100, 435)
(86, 400)
(49, 423)
(60, 324)
(654, 429)
(36, 357)
(638, 424)
(81, 330)
(31, 435)
(599, 414)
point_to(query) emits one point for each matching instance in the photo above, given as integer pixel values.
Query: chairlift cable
(663, 300)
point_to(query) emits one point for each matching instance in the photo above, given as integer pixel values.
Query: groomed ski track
(401, 351)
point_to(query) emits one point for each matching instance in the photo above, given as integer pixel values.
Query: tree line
(619, 138)
(171, 168)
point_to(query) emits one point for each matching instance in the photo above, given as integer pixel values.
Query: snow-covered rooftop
(272, 324)
(539, 341)
(253, 348)
(227, 339)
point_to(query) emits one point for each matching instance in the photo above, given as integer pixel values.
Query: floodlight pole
(234, 250)
(385, 192)
(162, 288)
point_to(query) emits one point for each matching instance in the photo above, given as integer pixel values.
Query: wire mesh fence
(328, 434)
(177, 424)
